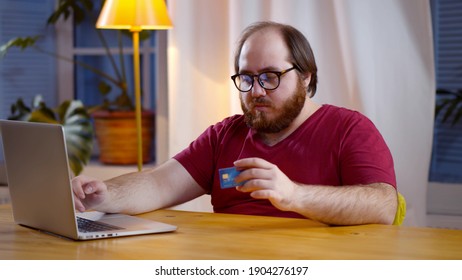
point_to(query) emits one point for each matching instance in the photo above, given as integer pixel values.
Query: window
(26, 73)
(446, 165)
(445, 186)
(87, 47)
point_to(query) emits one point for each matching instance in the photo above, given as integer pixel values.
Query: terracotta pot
(116, 136)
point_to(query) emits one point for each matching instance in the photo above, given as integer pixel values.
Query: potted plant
(114, 120)
(75, 119)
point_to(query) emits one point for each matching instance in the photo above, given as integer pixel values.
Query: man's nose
(257, 90)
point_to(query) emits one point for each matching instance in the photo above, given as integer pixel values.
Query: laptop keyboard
(86, 225)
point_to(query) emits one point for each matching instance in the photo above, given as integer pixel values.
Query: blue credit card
(227, 176)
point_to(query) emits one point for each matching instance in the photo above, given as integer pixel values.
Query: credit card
(227, 176)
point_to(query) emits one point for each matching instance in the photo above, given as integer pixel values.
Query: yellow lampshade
(134, 15)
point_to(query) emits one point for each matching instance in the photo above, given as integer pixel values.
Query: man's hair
(299, 48)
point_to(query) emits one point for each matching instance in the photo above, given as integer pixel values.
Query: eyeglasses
(268, 80)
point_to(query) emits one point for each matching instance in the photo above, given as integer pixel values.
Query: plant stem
(121, 56)
(82, 64)
(111, 58)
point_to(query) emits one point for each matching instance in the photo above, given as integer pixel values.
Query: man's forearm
(347, 205)
(166, 185)
(130, 193)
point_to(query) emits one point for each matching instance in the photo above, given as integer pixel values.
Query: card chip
(227, 176)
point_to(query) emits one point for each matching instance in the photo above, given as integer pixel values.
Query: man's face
(266, 117)
(270, 111)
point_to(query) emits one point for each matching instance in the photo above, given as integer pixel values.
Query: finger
(254, 185)
(252, 162)
(89, 189)
(93, 187)
(79, 205)
(253, 174)
(77, 187)
(261, 194)
(275, 199)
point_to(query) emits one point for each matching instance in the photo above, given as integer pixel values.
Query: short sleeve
(364, 156)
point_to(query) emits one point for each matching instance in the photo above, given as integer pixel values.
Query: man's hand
(88, 192)
(265, 180)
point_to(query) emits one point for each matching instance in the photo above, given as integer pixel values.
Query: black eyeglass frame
(277, 73)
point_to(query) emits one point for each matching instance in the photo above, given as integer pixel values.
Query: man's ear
(306, 79)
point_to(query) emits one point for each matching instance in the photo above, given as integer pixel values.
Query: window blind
(26, 73)
(446, 164)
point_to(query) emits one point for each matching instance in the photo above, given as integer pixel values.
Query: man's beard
(259, 120)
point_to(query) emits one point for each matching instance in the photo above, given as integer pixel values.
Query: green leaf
(104, 88)
(19, 42)
(36, 101)
(145, 34)
(450, 106)
(123, 101)
(75, 165)
(457, 116)
(79, 133)
(62, 108)
(19, 111)
(77, 8)
(46, 112)
(42, 116)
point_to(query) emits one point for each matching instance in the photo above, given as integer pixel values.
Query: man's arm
(336, 205)
(347, 205)
(166, 185)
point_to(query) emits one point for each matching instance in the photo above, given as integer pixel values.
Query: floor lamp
(135, 15)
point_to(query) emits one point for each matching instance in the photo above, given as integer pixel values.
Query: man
(297, 158)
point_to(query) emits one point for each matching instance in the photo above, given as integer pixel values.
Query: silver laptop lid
(38, 176)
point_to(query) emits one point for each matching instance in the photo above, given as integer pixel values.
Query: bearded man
(294, 157)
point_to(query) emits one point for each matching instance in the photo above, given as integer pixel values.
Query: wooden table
(224, 236)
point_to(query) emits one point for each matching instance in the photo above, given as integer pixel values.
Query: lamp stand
(136, 71)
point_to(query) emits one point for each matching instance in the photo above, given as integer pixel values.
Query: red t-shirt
(335, 146)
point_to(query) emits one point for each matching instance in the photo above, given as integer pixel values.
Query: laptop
(39, 181)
